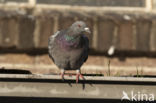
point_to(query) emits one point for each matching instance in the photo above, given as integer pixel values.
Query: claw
(78, 75)
(62, 74)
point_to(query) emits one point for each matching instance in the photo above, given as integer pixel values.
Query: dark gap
(7, 99)
(14, 71)
(125, 54)
(83, 82)
(120, 54)
(31, 52)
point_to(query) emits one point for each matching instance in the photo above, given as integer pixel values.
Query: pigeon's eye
(79, 25)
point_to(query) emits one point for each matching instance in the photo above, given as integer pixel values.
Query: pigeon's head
(79, 27)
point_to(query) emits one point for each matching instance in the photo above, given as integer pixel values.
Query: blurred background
(123, 39)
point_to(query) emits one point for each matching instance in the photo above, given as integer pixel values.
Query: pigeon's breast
(67, 45)
(68, 55)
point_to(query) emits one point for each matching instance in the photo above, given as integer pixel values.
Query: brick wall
(26, 28)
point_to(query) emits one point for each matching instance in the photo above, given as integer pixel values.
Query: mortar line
(95, 33)
(134, 36)
(152, 36)
(56, 24)
(37, 33)
(148, 5)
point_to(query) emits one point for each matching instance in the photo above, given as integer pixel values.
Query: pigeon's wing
(51, 44)
(86, 46)
(80, 55)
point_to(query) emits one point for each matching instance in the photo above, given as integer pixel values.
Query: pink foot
(77, 77)
(62, 76)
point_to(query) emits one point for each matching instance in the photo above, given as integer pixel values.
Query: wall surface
(26, 28)
(129, 27)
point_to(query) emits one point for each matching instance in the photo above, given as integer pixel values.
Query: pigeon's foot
(78, 74)
(62, 74)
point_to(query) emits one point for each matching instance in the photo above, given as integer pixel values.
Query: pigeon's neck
(70, 38)
(73, 32)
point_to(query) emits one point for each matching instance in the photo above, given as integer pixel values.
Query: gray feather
(73, 57)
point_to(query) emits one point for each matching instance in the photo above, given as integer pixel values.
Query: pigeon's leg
(78, 74)
(62, 74)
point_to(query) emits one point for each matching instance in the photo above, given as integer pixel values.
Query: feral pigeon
(68, 48)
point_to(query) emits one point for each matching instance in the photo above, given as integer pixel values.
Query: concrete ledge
(87, 78)
(87, 69)
(42, 64)
(93, 87)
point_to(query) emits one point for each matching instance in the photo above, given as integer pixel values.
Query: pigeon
(69, 48)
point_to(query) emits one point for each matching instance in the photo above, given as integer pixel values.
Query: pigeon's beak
(87, 30)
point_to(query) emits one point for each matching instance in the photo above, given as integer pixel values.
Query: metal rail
(95, 87)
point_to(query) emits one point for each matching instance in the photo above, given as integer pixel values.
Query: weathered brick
(19, 1)
(105, 34)
(153, 36)
(143, 28)
(26, 29)
(154, 4)
(89, 23)
(1, 33)
(65, 22)
(8, 32)
(20, 26)
(44, 29)
(125, 36)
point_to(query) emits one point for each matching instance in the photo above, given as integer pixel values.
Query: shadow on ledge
(13, 71)
(62, 100)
